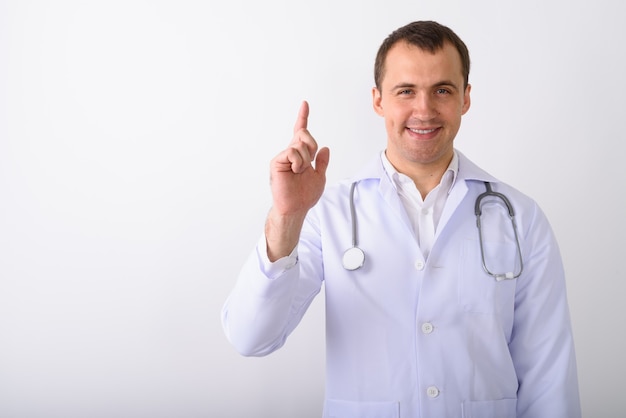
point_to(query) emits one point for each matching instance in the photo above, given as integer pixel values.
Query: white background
(135, 138)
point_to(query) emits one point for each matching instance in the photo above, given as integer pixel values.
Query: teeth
(422, 131)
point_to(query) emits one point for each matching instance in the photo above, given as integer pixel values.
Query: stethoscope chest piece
(353, 258)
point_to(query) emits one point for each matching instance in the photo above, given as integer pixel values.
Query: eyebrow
(442, 83)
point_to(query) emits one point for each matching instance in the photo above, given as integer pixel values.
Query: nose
(424, 107)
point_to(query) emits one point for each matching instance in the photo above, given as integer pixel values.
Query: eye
(443, 91)
(405, 92)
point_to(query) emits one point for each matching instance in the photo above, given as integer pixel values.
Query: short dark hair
(427, 35)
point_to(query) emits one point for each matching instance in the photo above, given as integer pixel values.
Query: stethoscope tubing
(478, 213)
(354, 257)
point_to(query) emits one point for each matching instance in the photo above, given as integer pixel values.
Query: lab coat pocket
(348, 409)
(480, 292)
(502, 408)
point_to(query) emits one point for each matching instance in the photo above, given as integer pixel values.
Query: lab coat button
(419, 265)
(432, 392)
(427, 328)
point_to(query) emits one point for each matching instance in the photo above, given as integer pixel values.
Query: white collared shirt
(424, 214)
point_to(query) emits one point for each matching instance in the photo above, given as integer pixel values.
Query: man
(441, 318)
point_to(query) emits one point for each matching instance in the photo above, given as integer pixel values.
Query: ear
(377, 101)
(466, 99)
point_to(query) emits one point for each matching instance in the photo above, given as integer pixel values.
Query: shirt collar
(447, 180)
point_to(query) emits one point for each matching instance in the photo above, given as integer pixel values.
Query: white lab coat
(408, 337)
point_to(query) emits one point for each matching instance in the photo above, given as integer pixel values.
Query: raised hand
(298, 177)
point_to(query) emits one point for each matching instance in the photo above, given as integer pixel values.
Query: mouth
(422, 131)
(423, 134)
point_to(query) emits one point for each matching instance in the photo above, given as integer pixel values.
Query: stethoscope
(478, 211)
(354, 257)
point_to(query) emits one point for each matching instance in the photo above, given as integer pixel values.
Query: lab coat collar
(468, 171)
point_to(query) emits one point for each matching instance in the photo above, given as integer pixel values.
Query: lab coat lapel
(391, 197)
(458, 192)
(375, 171)
(468, 171)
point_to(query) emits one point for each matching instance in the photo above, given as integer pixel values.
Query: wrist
(282, 232)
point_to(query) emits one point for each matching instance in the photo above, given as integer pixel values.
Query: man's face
(422, 100)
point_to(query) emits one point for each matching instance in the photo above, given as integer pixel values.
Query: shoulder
(525, 207)
(367, 177)
(476, 177)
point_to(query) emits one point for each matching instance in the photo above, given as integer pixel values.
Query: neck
(425, 176)
(425, 181)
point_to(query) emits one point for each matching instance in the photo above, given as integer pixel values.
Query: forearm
(542, 347)
(271, 297)
(256, 313)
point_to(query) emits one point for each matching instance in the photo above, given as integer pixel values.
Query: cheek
(397, 115)
(393, 123)
(452, 113)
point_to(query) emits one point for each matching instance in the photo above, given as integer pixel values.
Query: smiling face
(422, 98)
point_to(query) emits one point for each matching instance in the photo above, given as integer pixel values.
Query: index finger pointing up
(303, 116)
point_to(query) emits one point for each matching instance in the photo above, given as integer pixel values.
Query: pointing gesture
(298, 177)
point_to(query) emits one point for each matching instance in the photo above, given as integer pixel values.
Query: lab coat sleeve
(542, 346)
(265, 307)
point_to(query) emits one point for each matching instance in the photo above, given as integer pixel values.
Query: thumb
(321, 160)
